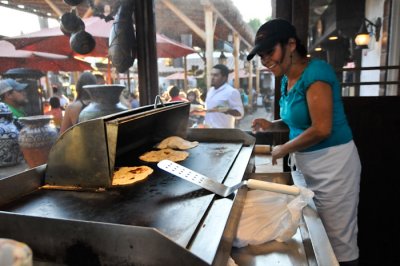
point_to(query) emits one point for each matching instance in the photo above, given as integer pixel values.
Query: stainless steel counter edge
(217, 251)
(323, 251)
(28, 181)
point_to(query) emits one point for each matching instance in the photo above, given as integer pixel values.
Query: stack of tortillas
(171, 148)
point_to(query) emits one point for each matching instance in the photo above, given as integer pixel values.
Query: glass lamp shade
(362, 39)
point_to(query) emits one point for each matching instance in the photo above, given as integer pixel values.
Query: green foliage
(201, 84)
(255, 23)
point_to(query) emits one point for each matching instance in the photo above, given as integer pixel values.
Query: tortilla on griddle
(170, 154)
(130, 175)
(175, 142)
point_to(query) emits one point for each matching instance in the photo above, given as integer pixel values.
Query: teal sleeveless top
(294, 108)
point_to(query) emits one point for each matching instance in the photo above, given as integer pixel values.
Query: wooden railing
(383, 82)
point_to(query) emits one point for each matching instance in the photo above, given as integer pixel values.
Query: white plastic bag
(270, 216)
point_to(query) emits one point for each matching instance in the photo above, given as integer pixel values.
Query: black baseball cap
(270, 33)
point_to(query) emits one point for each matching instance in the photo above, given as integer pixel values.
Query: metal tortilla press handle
(273, 187)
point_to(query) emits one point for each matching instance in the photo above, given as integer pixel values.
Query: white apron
(333, 174)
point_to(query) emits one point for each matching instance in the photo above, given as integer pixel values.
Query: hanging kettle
(71, 23)
(73, 2)
(82, 42)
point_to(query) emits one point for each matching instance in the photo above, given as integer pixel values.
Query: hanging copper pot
(71, 23)
(82, 42)
(73, 2)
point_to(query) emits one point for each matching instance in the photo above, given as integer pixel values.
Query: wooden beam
(196, 29)
(54, 7)
(229, 25)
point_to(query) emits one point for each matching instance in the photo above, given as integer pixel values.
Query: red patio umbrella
(52, 40)
(178, 76)
(12, 58)
(169, 48)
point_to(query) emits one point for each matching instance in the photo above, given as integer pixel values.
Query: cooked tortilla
(176, 142)
(130, 175)
(170, 154)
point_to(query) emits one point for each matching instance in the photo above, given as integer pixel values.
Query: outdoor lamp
(363, 36)
(318, 48)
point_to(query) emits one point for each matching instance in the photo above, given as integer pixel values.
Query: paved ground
(245, 122)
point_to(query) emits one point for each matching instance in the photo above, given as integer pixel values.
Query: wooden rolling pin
(262, 149)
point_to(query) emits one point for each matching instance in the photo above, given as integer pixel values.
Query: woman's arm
(263, 125)
(66, 121)
(71, 116)
(320, 105)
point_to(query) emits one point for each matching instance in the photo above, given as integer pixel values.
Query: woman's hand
(277, 153)
(260, 124)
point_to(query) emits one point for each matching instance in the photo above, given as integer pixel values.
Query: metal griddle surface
(163, 201)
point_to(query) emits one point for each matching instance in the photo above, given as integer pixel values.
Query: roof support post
(236, 47)
(250, 85)
(146, 51)
(209, 25)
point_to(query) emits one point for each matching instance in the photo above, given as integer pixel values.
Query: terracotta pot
(36, 138)
(10, 153)
(104, 101)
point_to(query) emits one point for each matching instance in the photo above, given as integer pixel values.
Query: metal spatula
(218, 188)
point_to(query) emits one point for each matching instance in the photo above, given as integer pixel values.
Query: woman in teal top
(294, 108)
(321, 142)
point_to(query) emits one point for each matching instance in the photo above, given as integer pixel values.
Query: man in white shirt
(223, 102)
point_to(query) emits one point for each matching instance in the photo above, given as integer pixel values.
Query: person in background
(223, 102)
(321, 142)
(73, 110)
(193, 96)
(12, 93)
(125, 98)
(135, 100)
(56, 112)
(100, 78)
(245, 99)
(64, 101)
(174, 93)
(165, 97)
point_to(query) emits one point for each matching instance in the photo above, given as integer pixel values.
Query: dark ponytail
(300, 48)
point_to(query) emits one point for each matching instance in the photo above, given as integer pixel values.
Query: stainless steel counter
(309, 246)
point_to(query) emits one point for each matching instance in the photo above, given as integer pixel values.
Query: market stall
(68, 212)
